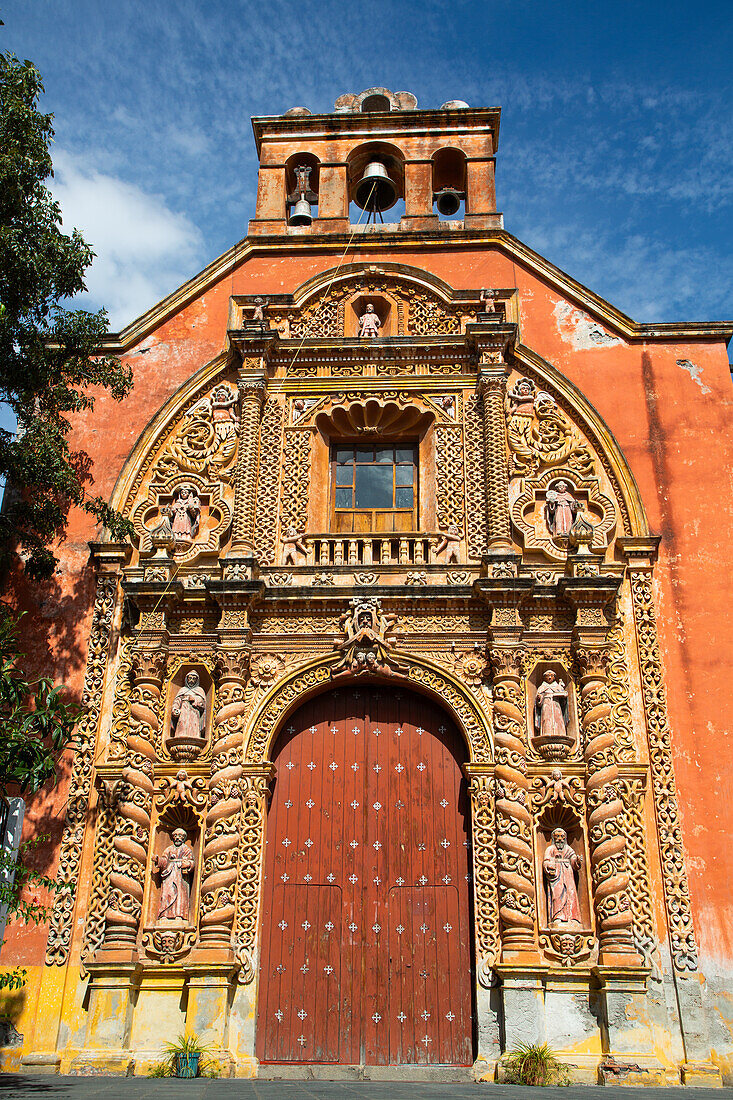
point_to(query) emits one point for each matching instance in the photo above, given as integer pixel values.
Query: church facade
(404, 727)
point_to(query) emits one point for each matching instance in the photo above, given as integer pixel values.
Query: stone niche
(554, 746)
(552, 932)
(186, 701)
(384, 307)
(173, 887)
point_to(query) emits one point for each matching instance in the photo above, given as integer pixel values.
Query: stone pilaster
(132, 834)
(591, 597)
(252, 392)
(221, 841)
(491, 388)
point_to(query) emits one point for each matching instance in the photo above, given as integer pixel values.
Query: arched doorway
(366, 927)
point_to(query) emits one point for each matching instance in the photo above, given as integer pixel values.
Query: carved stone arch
(349, 274)
(161, 426)
(591, 427)
(419, 674)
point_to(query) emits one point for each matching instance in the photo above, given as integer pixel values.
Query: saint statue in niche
(561, 508)
(176, 862)
(551, 709)
(186, 512)
(560, 864)
(188, 713)
(369, 323)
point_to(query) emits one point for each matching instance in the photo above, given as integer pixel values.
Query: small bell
(448, 201)
(301, 213)
(375, 191)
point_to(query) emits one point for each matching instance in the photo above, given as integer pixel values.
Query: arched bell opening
(367, 937)
(302, 188)
(449, 183)
(376, 181)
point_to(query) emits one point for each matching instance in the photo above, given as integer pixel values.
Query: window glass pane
(373, 487)
(365, 454)
(384, 454)
(403, 498)
(405, 454)
(343, 498)
(345, 454)
(344, 475)
(403, 475)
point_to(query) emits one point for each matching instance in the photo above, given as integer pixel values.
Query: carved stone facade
(508, 578)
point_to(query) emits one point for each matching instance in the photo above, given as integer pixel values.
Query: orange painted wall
(675, 436)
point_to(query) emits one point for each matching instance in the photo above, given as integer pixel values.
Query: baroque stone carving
(540, 435)
(551, 715)
(449, 487)
(369, 323)
(250, 871)
(268, 482)
(539, 497)
(221, 837)
(474, 479)
(560, 864)
(491, 387)
(296, 480)
(569, 948)
(174, 865)
(633, 792)
(167, 945)
(486, 907)
(365, 645)
(179, 790)
(513, 818)
(59, 935)
(654, 695)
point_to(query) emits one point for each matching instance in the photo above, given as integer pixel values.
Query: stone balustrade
(370, 549)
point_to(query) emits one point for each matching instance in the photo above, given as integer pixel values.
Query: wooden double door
(366, 928)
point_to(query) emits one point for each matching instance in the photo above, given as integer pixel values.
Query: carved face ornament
(179, 837)
(559, 838)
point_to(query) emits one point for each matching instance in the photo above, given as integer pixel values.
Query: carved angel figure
(560, 864)
(258, 311)
(369, 323)
(293, 545)
(188, 712)
(175, 863)
(186, 513)
(450, 541)
(487, 301)
(561, 508)
(551, 710)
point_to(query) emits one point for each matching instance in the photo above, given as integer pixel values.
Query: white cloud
(144, 249)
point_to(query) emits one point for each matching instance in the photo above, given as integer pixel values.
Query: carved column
(132, 835)
(513, 817)
(221, 843)
(252, 393)
(592, 598)
(491, 388)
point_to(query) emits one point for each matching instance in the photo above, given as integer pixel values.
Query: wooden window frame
(374, 520)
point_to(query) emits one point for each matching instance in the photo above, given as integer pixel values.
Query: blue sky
(616, 149)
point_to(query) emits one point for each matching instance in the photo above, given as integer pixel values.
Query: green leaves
(37, 721)
(49, 366)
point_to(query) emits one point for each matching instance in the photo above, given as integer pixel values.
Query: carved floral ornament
(390, 413)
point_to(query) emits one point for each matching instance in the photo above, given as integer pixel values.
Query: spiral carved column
(255, 783)
(513, 817)
(132, 835)
(252, 393)
(605, 810)
(221, 842)
(492, 389)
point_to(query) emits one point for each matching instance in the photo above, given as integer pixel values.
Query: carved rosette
(606, 813)
(218, 886)
(252, 393)
(486, 913)
(491, 389)
(254, 785)
(132, 834)
(513, 817)
(59, 935)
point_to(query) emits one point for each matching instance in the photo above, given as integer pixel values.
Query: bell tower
(373, 150)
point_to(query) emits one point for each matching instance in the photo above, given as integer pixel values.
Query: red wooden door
(366, 920)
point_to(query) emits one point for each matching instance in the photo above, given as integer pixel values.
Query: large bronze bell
(375, 191)
(301, 213)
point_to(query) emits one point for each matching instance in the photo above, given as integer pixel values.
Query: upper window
(374, 488)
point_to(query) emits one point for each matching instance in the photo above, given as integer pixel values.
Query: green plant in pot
(185, 1058)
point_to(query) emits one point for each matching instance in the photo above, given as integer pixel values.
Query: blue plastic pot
(187, 1065)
